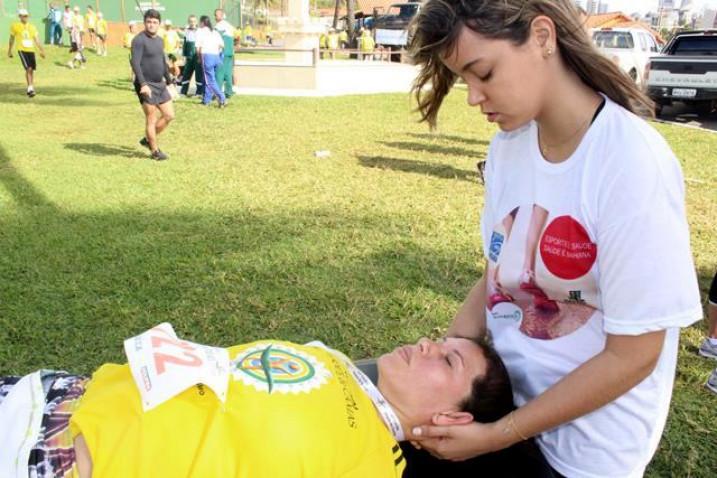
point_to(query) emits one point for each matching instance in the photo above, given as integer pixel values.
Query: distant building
(602, 8)
(708, 19)
(620, 20)
(666, 4)
(591, 7)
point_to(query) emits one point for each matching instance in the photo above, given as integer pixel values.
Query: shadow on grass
(12, 89)
(433, 148)
(74, 285)
(99, 149)
(418, 167)
(450, 137)
(70, 96)
(117, 84)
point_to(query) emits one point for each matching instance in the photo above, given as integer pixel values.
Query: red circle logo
(566, 248)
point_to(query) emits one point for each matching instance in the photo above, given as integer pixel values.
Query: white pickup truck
(629, 48)
(686, 72)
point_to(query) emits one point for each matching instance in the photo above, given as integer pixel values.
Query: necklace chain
(545, 148)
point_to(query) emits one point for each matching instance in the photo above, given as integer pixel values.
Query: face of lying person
(430, 377)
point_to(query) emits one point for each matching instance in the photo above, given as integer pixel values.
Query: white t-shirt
(225, 28)
(609, 253)
(210, 41)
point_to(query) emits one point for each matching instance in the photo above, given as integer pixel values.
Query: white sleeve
(647, 276)
(199, 39)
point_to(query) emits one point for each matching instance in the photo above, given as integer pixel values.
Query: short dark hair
(152, 13)
(491, 396)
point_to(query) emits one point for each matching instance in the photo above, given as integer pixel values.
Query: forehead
(472, 355)
(472, 47)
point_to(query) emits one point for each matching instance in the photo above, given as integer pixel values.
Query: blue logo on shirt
(496, 244)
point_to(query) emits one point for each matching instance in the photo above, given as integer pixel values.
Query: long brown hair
(436, 27)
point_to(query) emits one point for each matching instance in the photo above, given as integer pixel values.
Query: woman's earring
(549, 51)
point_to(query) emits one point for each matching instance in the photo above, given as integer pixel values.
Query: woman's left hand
(458, 442)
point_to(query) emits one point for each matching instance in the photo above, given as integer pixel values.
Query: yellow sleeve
(33, 31)
(14, 29)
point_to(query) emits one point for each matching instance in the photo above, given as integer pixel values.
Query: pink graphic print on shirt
(538, 272)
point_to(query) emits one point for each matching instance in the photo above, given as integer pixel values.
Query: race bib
(163, 365)
(27, 43)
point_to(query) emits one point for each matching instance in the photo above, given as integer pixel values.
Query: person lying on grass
(288, 410)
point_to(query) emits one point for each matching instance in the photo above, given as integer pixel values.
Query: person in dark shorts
(24, 35)
(151, 79)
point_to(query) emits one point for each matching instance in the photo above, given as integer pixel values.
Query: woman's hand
(459, 442)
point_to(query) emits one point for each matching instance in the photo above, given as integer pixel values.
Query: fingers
(425, 432)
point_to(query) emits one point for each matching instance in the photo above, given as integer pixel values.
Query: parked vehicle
(630, 48)
(686, 72)
(391, 27)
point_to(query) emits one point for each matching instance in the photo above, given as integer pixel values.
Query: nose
(475, 95)
(427, 347)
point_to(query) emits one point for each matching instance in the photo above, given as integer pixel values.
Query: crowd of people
(337, 41)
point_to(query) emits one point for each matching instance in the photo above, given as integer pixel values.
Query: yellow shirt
(79, 22)
(102, 27)
(91, 19)
(333, 41)
(367, 43)
(24, 35)
(128, 37)
(291, 411)
(171, 41)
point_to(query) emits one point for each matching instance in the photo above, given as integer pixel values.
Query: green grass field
(244, 234)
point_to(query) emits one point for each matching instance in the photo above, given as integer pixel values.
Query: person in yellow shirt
(101, 34)
(24, 35)
(366, 44)
(129, 35)
(127, 43)
(290, 411)
(332, 42)
(171, 39)
(91, 24)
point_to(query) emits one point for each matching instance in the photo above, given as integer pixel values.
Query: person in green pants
(225, 77)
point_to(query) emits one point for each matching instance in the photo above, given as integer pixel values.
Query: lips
(491, 117)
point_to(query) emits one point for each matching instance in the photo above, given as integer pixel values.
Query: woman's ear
(542, 32)
(451, 418)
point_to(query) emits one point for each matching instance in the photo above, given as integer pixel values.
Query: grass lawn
(244, 234)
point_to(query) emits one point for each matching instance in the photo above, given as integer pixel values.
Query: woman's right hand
(460, 442)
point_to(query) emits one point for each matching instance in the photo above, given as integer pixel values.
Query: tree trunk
(350, 21)
(336, 13)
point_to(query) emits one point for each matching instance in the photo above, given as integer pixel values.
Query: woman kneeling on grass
(589, 273)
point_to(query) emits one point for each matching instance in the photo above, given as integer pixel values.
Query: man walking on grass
(151, 79)
(24, 34)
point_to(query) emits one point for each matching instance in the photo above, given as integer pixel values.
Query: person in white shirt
(67, 17)
(589, 273)
(210, 45)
